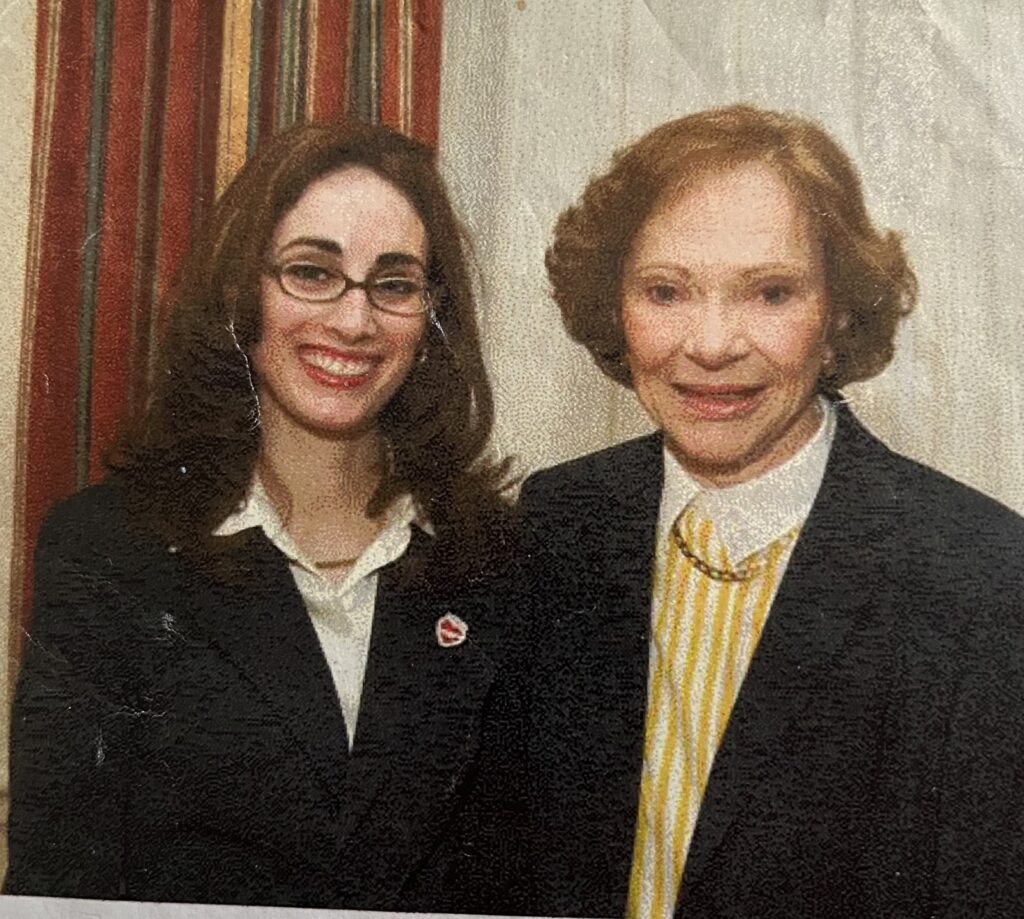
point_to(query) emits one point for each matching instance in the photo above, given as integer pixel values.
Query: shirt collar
(390, 543)
(751, 515)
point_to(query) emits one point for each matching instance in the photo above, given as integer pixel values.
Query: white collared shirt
(341, 609)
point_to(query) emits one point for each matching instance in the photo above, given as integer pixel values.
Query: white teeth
(337, 366)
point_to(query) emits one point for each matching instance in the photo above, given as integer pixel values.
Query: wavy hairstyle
(191, 455)
(869, 281)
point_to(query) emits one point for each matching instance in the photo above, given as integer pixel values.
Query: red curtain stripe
(47, 450)
(426, 73)
(329, 76)
(112, 334)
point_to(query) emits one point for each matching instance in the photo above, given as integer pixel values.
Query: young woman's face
(332, 366)
(725, 314)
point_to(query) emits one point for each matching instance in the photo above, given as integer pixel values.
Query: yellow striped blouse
(704, 633)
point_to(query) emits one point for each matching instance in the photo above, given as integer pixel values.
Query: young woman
(258, 660)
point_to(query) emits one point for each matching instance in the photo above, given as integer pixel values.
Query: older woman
(256, 666)
(778, 669)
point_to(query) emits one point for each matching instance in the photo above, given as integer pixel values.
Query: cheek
(403, 344)
(275, 320)
(796, 347)
(649, 341)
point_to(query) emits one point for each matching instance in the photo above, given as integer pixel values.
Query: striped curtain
(145, 109)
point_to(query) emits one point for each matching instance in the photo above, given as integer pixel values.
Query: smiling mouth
(334, 368)
(337, 365)
(719, 402)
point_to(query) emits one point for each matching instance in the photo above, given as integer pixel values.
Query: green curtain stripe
(252, 123)
(291, 54)
(364, 82)
(103, 29)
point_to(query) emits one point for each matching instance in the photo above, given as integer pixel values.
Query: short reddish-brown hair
(869, 280)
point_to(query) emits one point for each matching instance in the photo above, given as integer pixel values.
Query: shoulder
(96, 566)
(933, 507)
(950, 558)
(95, 522)
(594, 475)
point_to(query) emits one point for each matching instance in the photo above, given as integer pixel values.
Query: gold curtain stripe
(312, 34)
(234, 91)
(40, 171)
(405, 64)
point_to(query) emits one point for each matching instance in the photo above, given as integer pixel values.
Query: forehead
(740, 215)
(355, 208)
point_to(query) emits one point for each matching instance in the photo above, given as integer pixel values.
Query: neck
(309, 475)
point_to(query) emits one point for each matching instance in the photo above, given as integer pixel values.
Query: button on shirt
(341, 609)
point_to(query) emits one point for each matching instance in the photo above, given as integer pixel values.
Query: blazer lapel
(594, 712)
(827, 581)
(417, 726)
(262, 627)
(630, 541)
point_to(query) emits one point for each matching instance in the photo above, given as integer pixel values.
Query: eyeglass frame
(350, 284)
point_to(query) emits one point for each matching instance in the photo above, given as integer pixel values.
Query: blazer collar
(257, 621)
(625, 506)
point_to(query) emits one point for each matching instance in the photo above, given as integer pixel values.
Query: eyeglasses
(401, 291)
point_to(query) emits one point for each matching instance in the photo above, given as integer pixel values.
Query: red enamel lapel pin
(451, 631)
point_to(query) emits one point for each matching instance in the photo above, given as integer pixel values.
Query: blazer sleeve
(73, 722)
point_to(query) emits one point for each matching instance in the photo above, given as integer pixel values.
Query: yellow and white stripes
(705, 633)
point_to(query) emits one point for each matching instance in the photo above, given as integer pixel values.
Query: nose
(715, 334)
(351, 316)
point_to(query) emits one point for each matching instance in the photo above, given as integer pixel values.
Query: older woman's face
(332, 366)
(725, 316)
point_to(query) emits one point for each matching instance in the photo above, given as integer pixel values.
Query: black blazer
(175, 738)
(874, 761)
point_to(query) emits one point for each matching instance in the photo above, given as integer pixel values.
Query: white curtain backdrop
(926, 95)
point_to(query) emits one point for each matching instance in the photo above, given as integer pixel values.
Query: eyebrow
(772, 268)
(399, 260)
(314, 242)
(664, 266)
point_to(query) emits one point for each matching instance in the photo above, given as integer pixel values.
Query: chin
(702, 462)
(334, 424)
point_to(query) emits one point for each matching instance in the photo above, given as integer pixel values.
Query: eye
(309, 280)
(397, 286)
(775, 294)
(400, 293)
(665, 293)
(302, 271)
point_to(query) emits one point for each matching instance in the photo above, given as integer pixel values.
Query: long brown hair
(190, 456)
